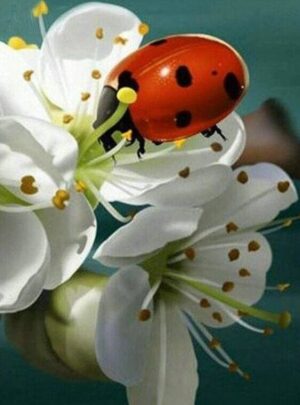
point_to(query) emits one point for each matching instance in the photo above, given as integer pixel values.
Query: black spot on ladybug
(126, 80)
(159, 42)
(183, 76)
(214, 72)
(183, 119)
(232, 86)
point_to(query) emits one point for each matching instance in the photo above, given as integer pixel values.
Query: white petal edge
(121, 338)
(150, 230)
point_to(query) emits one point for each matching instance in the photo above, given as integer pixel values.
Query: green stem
(283, 319)
(102, 129)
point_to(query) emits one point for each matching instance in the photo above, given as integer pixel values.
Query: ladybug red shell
(185, 84)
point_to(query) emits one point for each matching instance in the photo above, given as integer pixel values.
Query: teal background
(267, 33)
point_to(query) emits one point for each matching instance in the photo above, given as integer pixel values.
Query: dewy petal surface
(23, 260)
(72, 51)
(151, 229)
(171, 373)
(121, 338)
(71, 234)
(16, 94)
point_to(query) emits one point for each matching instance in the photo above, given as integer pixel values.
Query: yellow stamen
(120, 40)
(244, 273)
(127, 135)
(268, 331)
(216, 147)
(204, 303)
(60, 199)
(19, 43)
(253, 246)
(85, 96)
(40, 9)
(217, 317)
(283, 186)
(96, 74)
(242, 177)
(179, 143)
(127, 95)
(283, 287)
(144, 315)
(233, 367)
(228, 286)
(144, 29)
(67, 118)
(214, 343)
(99, 33)
(231, 227)
(27, 75)
(27, 185)
(233, 255)
(190, 253)
(80, 186)
(184, 173)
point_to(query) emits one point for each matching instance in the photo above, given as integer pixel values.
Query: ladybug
(185, 84)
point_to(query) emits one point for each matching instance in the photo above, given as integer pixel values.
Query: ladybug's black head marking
(183, 119)
(232, 86)
(158, 42)
(183, 76)
(126, 80)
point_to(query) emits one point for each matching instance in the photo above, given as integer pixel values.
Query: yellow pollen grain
(233, 367)
(85, 96)
(127, 95)
(143, 29)
(216, 147)
(96, 74)
(144, 315)
(99, 33)
(233, 254)
(204, 303)
(228, 286)
(184, 173)
(253, 246)
(27, 75)
(120, 40)
(40, 9)
(19, 43)
(190, 253)
(60, 199)
(80, 186)
(231, 227)
(283, 186)
(268, 332)
(67, 118)
(244, 273)
(283, 287)
(179, 143)
(27, 185)
(127, 135)
(242, 177)
(214, 343)
(217, 317)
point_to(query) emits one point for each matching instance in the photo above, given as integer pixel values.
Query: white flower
(47, 228)
(187, 268)
(62, 82)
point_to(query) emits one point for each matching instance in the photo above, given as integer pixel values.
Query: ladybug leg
(108, 141)
(211, 131)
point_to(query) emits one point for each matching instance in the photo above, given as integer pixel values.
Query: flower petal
(72, 51)
(36, 149)
(17, 96)
(195, 190)
(236, 264)
(121, 338)
(165, 382)
(23, 260)
(151, 229)
(71, 234)
(256, 196)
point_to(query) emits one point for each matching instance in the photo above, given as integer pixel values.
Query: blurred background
(266, 33)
